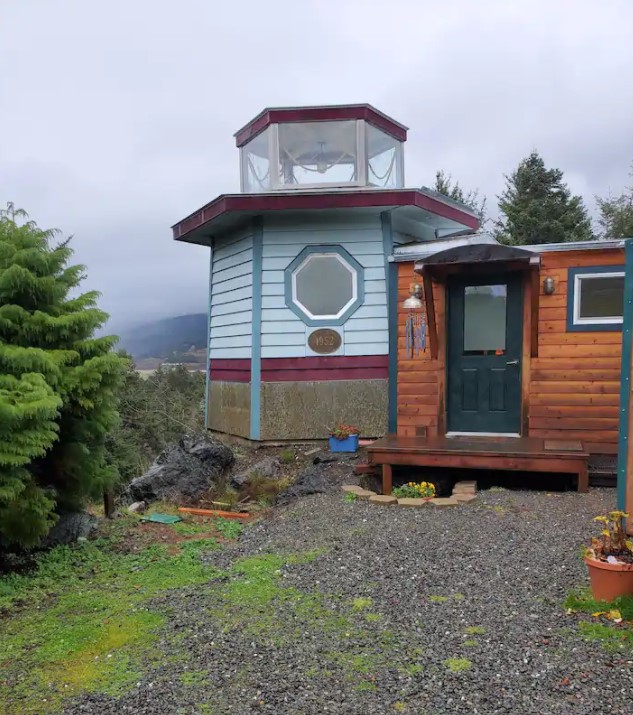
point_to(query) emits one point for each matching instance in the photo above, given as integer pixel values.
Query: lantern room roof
(323, 113)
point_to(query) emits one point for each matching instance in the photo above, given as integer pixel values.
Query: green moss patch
(81, 623)
(458, 665)
(602, 627)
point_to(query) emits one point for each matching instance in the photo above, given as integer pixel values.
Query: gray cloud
(117, 117)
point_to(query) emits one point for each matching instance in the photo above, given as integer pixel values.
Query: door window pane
(601, 297)
(485, 318)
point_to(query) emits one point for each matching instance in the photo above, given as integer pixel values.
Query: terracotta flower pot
(608, 581)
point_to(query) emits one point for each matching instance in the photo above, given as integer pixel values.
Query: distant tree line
(536, 206)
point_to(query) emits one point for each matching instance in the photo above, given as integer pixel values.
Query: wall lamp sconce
(415, 298)
(549, 286)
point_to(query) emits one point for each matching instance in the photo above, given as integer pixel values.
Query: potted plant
(344, 438)
(610, 559)
(415, 490)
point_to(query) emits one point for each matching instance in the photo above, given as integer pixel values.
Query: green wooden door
(484, 348)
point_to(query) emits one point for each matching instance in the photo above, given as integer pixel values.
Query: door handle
(512, 362)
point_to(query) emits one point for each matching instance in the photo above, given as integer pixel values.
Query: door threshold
(483, 434)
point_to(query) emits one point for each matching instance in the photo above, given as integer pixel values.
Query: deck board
(528, 454)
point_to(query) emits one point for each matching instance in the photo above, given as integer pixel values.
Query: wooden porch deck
(521, 454)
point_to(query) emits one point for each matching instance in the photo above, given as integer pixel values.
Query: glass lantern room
(313, 154)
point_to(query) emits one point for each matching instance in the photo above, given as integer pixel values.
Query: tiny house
(520, 341)
(339, 295)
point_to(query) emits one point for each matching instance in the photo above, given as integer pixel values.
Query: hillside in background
(179, 339)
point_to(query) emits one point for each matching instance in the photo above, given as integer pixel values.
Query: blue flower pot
(350, 444)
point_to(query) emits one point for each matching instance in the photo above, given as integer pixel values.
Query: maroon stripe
(227, 370)
(231, 364)
(325, 362)
(320, 114)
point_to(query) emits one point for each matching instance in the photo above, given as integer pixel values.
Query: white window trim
(602, 320)
(353, 272)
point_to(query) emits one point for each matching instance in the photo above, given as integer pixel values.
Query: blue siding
(284, 334)
(231, 311)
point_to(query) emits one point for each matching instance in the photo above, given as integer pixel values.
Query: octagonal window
(324, 286)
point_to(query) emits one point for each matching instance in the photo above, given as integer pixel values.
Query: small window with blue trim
(595, 298)
(324, 285)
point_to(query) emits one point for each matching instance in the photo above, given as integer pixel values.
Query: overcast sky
(117, 116)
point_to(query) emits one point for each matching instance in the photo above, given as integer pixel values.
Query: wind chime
(415, 324)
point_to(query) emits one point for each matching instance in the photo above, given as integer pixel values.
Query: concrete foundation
(230, 408)
(305, 410)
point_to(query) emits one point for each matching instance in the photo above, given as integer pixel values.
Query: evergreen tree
(538, 207)
(58, 384)
(445, 185)
(616, 214)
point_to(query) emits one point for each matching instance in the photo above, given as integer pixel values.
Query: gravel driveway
(356, 609)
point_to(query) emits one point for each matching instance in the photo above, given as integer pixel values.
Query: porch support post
(625, 442)
(429, 304)
(536, 289)
(387, 480)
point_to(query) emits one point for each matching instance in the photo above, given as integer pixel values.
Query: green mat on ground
(162, 518)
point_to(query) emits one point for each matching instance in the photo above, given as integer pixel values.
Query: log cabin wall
(570, 390)
(574, 388)
(420, 379)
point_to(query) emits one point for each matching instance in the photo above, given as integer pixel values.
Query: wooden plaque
(324, 341)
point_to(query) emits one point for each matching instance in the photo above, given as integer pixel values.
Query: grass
(444, 599)
(458, 665)
(228, 528)
(287, 456)
(471, 643)
(475, 630)
(582, 600)
(257, 603)
(88, 621)
(612, 636)
(350, 497)
(81, 622)
(194, 677)
(360, 604)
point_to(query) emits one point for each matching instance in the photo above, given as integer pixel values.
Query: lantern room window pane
(256, 164)
(318, 153)
(384, 159)
(324, 285)
(485, 319)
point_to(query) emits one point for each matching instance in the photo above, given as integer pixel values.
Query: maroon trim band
(308, 369)
(258, 203)
(230, 370)
(320, 114)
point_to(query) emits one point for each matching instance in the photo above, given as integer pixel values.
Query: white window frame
(603, 320)
(333, 316)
